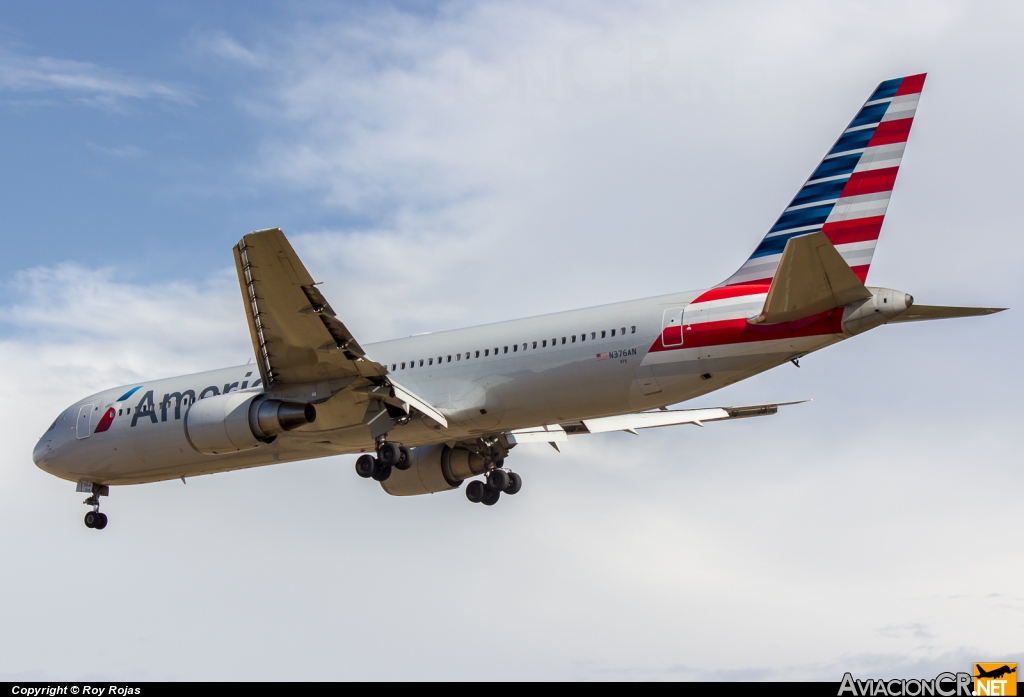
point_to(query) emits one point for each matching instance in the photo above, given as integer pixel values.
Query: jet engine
(883, 305)
(434, 468)
(237, 421)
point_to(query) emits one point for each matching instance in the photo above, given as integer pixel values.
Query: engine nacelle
(434, 468)
(237, 421)
(883, 305)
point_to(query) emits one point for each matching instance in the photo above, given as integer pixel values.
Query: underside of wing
(921, 313)
(555, 433)
(295, 333)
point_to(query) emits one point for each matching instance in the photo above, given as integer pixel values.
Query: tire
(406, 461)
(475, 491)
(490, 497)
(389, 454)
(90, 519)
(515, 483)
(102, 522)
(382, 472)
(497, 480)
(365, 465)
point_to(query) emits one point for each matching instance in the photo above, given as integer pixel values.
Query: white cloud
(80, 81)
(122, 152)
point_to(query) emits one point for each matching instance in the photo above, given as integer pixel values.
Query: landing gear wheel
(95, 520)
(490, 497)
(515, 483)
(475, 491)
(406, 461)
(365, 465)
(389, 454)
(381, 472)
(497, 480)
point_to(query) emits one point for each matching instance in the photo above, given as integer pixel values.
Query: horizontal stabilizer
(812, 278)
(920, 313)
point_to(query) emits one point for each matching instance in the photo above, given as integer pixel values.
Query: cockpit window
(53, 425)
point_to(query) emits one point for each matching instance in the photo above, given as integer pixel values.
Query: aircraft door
(672, 327)
(85, 421)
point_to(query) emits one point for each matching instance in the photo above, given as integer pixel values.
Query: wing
(920, 313)
(556, 433)
(295, 333)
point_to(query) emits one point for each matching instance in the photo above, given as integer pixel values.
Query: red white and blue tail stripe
(847, 194)
(845, 198)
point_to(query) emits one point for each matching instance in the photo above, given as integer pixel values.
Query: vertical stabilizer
(846, 196)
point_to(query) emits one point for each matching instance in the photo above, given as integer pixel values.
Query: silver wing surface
(556, 433)
(299, 340)
(295, 332)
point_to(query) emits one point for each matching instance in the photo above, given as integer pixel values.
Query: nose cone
(40, 452)
(45, 452)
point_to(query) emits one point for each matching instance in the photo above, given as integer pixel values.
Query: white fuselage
(489, 379)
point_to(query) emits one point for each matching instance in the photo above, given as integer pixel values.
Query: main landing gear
(389, 455)
(498, 481)
(94, 519)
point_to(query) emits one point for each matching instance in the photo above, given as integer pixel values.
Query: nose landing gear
(94, 519)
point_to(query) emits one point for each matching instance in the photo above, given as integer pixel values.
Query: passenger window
(421, 362)
(593, 335)
(613, 332)
(403, 365)
(524, 347)
(458, 356)
(119, 413)
(394, 367)
(505, 349)
(439, 361)
(430, 361)
(449, 359)
(477, 355)
(623, 331)
(632, 330)
(574, 338)
(544, 343)
(583, 336)
(535, 344)
(495, 350)
(467, 355)
(515, 347)
(487, 352)
(602, 334)
(563, 339)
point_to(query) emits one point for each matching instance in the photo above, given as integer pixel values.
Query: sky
(448, 164)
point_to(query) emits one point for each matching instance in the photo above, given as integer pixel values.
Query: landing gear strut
(389, 455)
(94, 519)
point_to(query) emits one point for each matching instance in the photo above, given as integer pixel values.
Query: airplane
(995, 673)
(429, 412)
